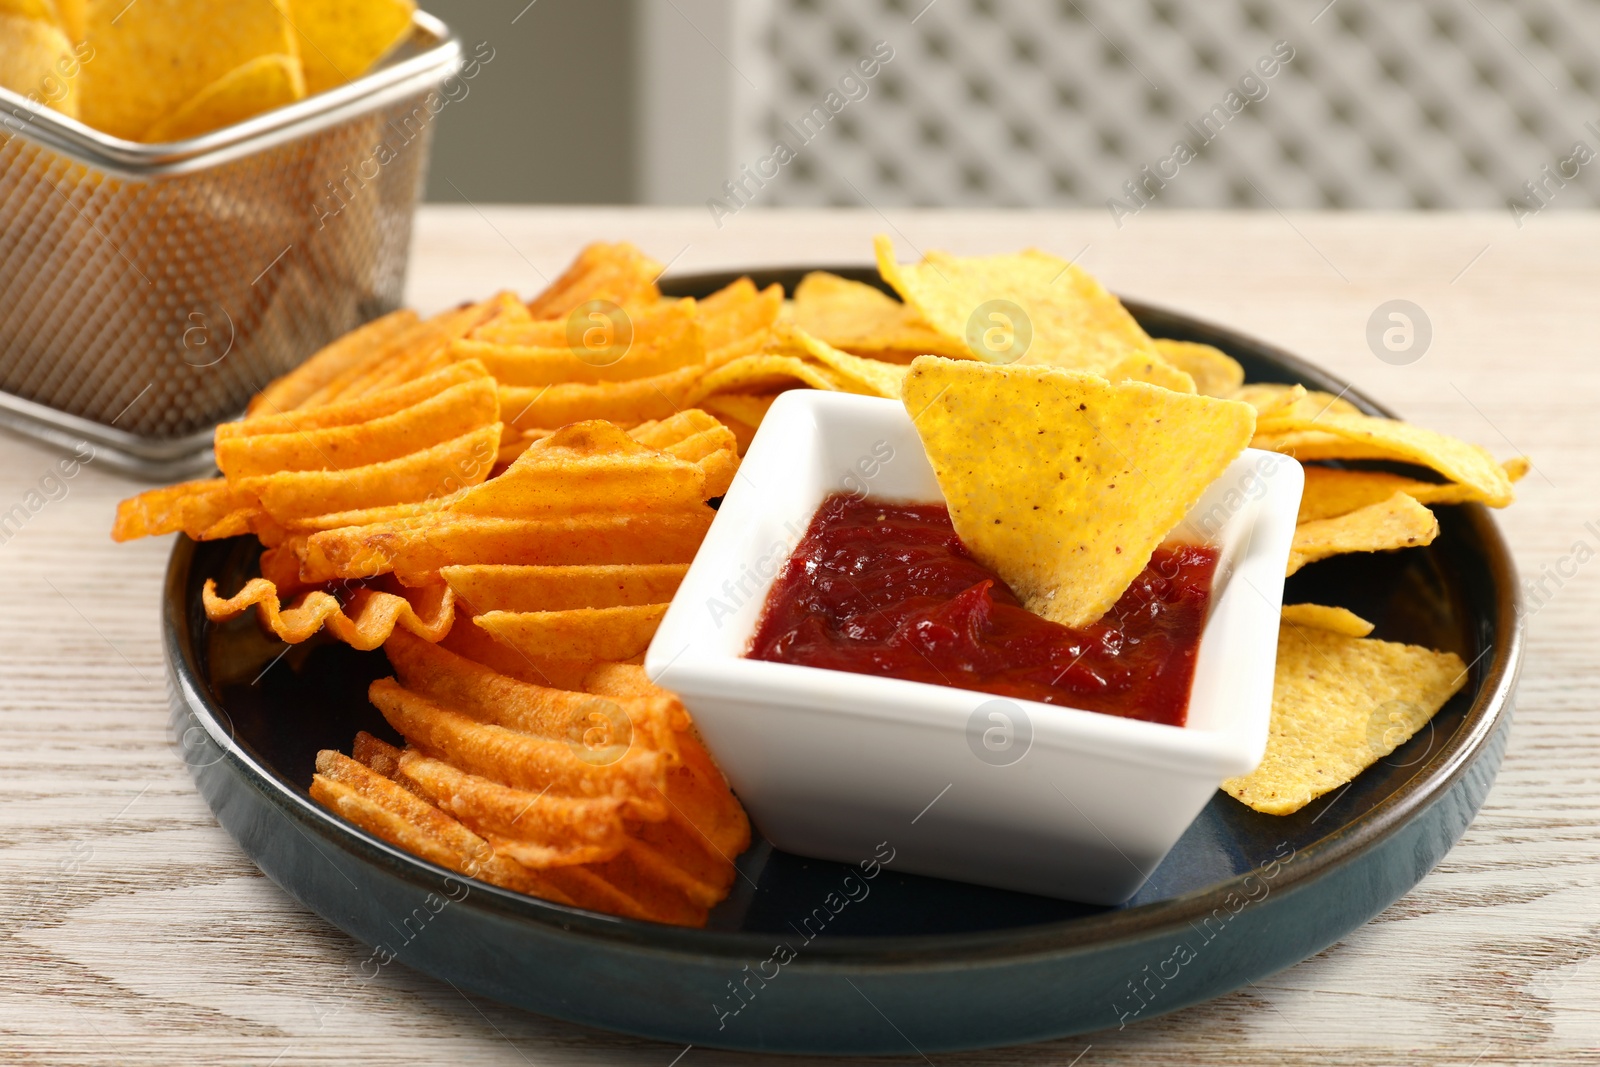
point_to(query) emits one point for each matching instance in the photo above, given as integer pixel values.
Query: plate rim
(1434, 779)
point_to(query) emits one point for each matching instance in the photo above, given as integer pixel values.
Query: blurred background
(1121, 106)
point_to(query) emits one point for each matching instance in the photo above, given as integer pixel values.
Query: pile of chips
(165, 70)
(505, 497)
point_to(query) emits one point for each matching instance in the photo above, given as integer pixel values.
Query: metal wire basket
(147, 291)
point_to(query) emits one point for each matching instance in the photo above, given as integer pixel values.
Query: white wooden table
(135, 932)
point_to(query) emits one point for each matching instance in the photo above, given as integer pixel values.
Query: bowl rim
(1440, 770)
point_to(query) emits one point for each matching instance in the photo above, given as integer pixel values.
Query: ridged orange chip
(444, 416)
(443, 468)
(587, 466)
(521, 760)
(617, 273)
(416, 549)
(353, 349)
(607, 345)
(614, 633)
(505, 587)
(366, 622)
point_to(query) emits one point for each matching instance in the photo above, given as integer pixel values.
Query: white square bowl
(999, 791)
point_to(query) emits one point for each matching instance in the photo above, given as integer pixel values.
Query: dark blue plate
(793, 963)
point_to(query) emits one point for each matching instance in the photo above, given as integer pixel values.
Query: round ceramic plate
(789, 962)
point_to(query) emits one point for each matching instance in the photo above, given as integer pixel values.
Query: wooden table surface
(135, 931)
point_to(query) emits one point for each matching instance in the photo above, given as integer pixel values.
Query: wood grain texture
(135, 932)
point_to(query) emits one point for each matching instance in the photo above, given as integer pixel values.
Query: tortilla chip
(38, 10)
(1398, 522)
(246, 91)
(1270, 399)
(153, 57)
(859, 318)
(1062, 482)
(74, 17)
(763, 373)
(1152, 370)
(741, 413)
(856, 374)
(37, 61)
(340, 40)
(1346, 436)
(1331, 492)
(740, 407)
(1340, 704)
(1322, 617)
(1308, 404)
(791, 356)
(1215, 373)
(1068, 319)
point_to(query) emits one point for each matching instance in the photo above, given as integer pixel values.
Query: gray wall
(550, 118)
(1032, 103)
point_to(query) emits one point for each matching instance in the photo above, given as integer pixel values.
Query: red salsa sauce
(889, 589)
